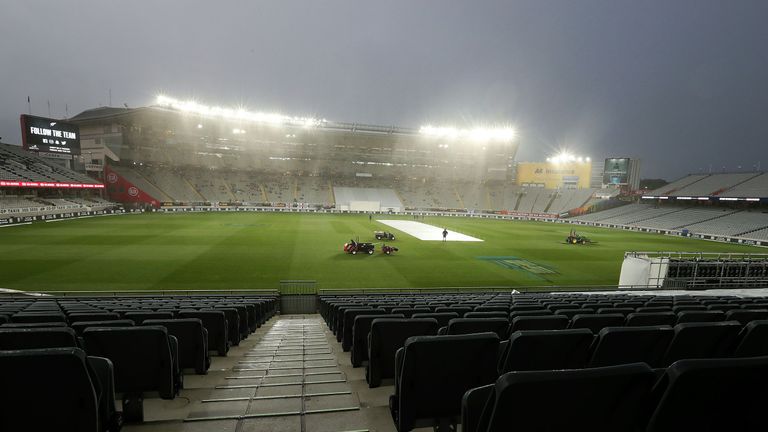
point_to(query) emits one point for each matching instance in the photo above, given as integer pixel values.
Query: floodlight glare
(476, 134)
(564, 157)
(237, 114)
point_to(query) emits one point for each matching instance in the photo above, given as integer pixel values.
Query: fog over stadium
(679, 84)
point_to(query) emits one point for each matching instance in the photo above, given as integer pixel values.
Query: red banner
(121, 190)
(8, 183)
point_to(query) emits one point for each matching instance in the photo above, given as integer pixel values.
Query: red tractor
(388, 250)
(354, 248)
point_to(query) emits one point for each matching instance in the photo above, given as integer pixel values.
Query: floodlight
(237, 114)
(476, 134)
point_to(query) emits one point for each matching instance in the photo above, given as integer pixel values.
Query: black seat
(487, 314)
(93, 316)
(139, 317)
(753, 340)
(547, 349)
(142, 361)
(651, 319)
(533, 312)
(385, 338)
(47, 390)
(79, 326)
(744, 316)
(433, 373)
(34, 317)
(543, 322)
(215, 323)
(233, 323)
(712, 395)
(702, 340)
(193, 342)
(700, 316)
(442, 317)
(596, 322)
(599, 399)
(458, 326)
(32, 338)
(622, 345)
(244, 326)
(616, 310)
(34, 325)
(461, 310)
(492, 308)
(360, 330)
(570, 313)
(345, 333)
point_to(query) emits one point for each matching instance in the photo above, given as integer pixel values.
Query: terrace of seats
(722, 184)
(294, 373)
(16, 164)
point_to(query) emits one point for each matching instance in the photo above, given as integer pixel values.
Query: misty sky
(682, 84)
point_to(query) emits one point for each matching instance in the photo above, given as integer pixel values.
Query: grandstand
(177, 158)
(382, 362)
(18, 165)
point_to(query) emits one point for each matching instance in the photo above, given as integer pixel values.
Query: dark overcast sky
(682, 84)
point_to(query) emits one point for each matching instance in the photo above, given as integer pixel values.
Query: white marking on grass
(427, 232)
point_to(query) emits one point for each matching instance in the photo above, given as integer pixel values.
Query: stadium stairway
(288, 376)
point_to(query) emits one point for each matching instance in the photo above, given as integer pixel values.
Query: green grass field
(258, 250)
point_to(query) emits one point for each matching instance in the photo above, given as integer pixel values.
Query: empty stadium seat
(651, 319)
(79, 327)
(139, 317)
(433, 373)
(47, 390)
(599, 399)
(487, 314)
(744, 316)
(700, 316)
(345, 332)
(712, 395)
(232, 320)
(385, 338)
(32, 338)
(570, 313)
(93, 316)
(193, 342)
(702, 340)
(547, 349)
(360, 330)
(32, 317)
(543, 322)
(215, 323)
(596, 322)
(753, 340)
(142, 359)
(621, 345)
(458, 326)
(442, 317)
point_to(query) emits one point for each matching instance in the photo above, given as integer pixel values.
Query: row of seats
(146, 350)
(690, 395)
(658, 346)
(242, 315)
(444, 380)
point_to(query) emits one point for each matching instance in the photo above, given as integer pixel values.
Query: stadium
(412, 216)
(214, 236)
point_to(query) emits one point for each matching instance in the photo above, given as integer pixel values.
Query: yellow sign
(555, 175)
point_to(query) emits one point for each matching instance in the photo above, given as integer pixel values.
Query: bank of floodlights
(475, 134)
(237, 114)
(565, 157)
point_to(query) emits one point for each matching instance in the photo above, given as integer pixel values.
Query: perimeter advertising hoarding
(42, 134)
(555, 175)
